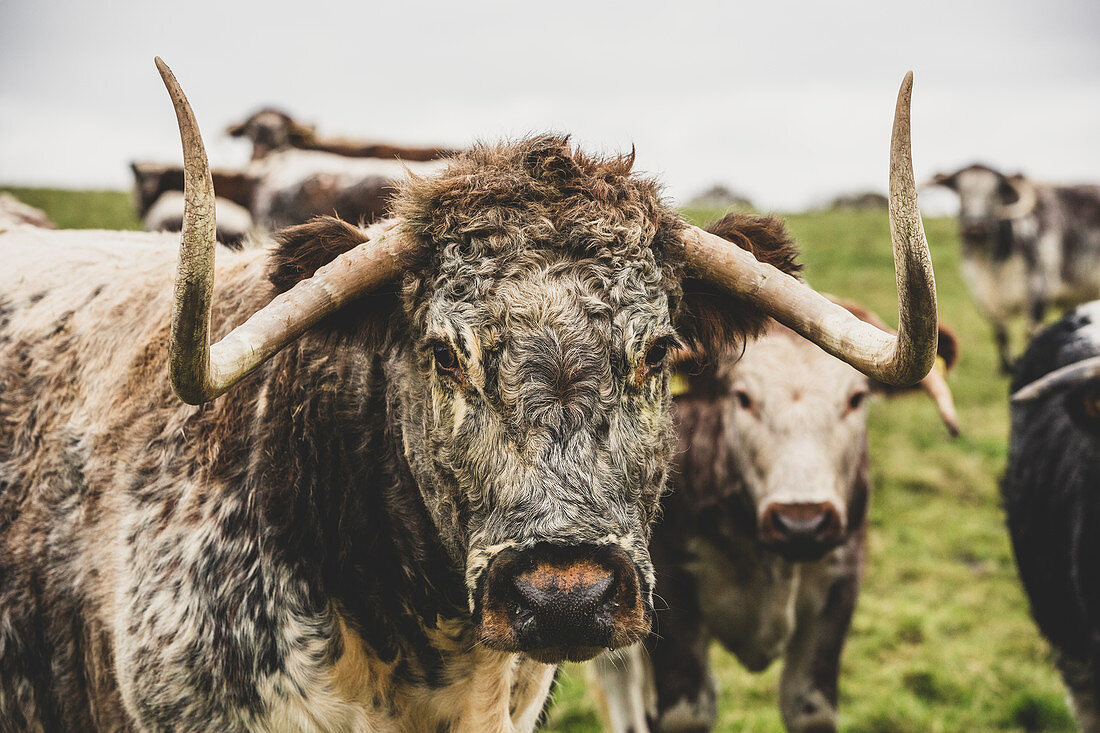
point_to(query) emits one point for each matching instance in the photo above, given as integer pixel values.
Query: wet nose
(564, 603)
(805, 527)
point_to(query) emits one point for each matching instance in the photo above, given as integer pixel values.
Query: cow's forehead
(781, 363)
(624, 299)
(977, 183)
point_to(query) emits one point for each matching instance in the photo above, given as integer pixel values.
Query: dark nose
(801, 530)
(563, 602)
(570, 605)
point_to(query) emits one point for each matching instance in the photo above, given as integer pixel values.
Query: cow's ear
(236, 130)
(303, 249)
(947, 180)
(712, 321)
(948, 347)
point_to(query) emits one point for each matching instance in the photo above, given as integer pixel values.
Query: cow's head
(1059, 376)
(270, 130)
(533, 294)
(789, 425)
(987, 198)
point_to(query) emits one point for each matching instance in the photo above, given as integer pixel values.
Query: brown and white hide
(166, 215)
(297, 185)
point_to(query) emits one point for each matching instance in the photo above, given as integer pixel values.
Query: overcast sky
(787, 102)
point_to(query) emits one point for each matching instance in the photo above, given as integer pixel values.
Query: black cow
(1051, 496)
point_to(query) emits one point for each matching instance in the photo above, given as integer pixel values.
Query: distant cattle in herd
(1026, 246)
(1051, 493)
(293, 176)
(158, 198)
(762, 540)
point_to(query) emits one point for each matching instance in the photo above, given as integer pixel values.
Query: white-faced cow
(420, 474)
(761, 543)
(1051, 493)
(1025, 246)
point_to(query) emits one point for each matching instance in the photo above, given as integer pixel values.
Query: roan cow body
(1051, 500)
(1025, 246)
(302, 175)
(761, 542)
(158, 199)
(430, 459)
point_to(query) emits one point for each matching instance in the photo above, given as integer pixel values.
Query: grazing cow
(1025, 246)
(271, 130)
(422, 472)
(761, 543)
(166, 215)
(1051, 500)
(14, 212)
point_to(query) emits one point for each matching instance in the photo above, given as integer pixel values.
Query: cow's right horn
(200, 372)
(902, 360)
(1064, 378)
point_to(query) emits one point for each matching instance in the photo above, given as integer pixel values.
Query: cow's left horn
(1064, 378)
(899, 360)
(200, 372)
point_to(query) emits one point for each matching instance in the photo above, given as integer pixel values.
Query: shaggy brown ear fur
(303, 249)
(713, 321)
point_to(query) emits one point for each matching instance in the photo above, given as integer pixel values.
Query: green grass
(942, 640)
(81, 209)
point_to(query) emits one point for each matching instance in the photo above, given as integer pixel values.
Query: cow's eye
(655, 357)
(856, 400)
(743, 399)
(445, 360)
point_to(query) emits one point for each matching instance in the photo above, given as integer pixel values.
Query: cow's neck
(338, 498)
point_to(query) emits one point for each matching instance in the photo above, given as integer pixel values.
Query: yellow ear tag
(941, 366)
(679, 384)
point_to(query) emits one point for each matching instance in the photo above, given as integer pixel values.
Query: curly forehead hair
(540, 192)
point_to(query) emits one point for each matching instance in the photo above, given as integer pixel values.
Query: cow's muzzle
(801, 532)
(561, 604)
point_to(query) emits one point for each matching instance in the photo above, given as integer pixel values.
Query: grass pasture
(941, 640)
